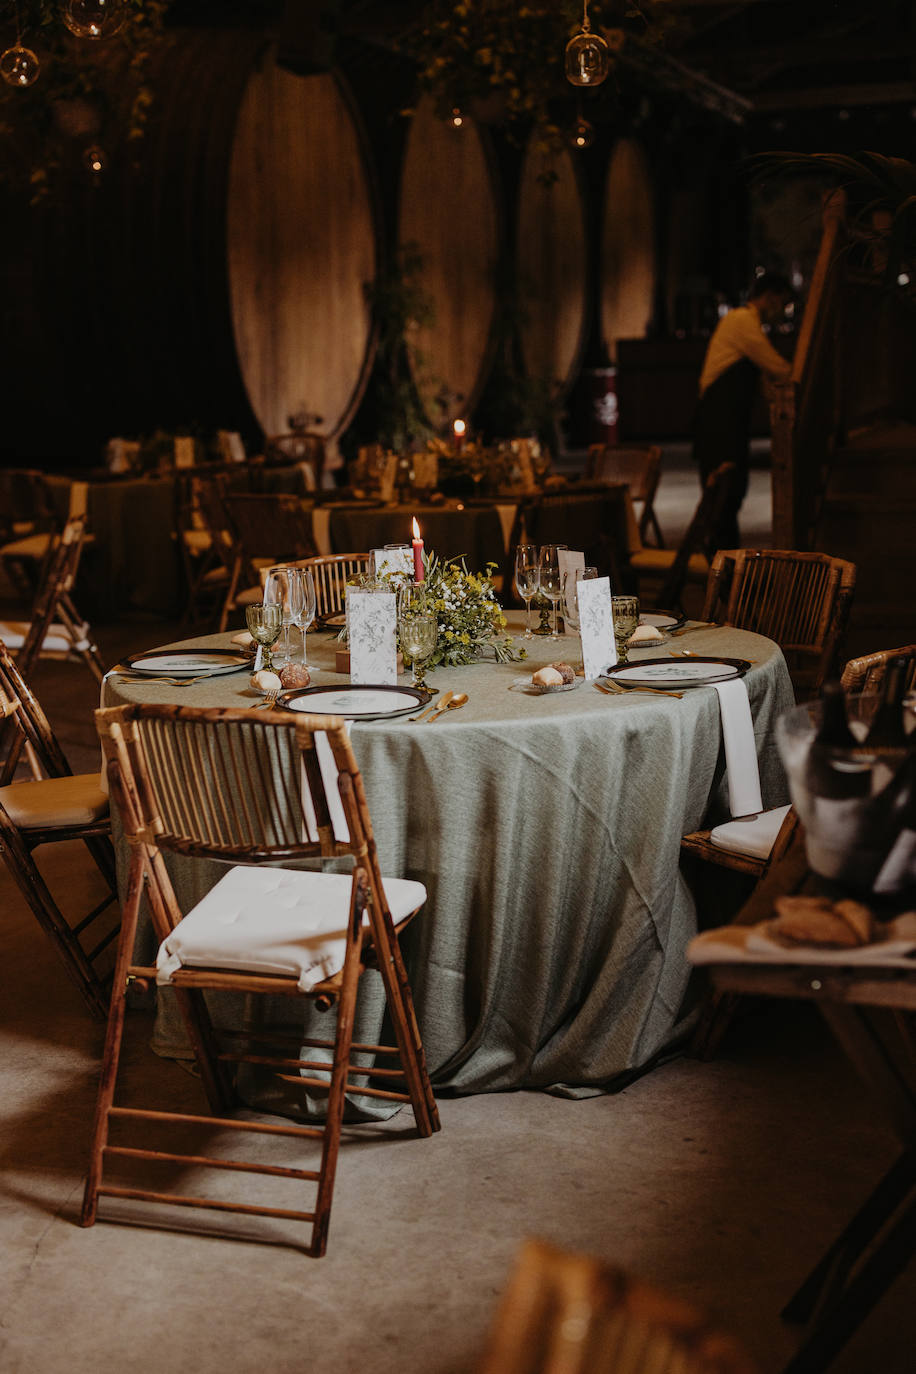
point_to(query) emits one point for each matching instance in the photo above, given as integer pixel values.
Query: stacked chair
(58, 807)
(254, 792)
(56, 629)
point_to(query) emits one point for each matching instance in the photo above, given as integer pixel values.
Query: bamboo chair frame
(331, 573)
(673, 565)
(304, 448)
(223, 784)
(24, 718)
(54, 606)
(29, 497)
(866, 674)
(802, 600)
(566, 1313)
(640, 469)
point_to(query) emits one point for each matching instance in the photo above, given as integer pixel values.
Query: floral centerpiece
(469, 617)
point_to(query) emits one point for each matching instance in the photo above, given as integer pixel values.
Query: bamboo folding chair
(640, 469)
(304, 449)
(566, 1313)
(331, 573)
(866, 674)
(29, 527)
(692, 559)
(59, 806)
(56, 628)
(802, 600)
(222, 784)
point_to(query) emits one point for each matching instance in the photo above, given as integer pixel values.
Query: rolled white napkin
(740, 748)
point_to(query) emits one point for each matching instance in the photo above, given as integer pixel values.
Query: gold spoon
(455, 704)
(440, 705)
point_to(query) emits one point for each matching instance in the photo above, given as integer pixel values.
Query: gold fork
(269, 702)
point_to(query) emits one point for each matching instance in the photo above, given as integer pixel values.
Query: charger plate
(354, 702)
(678, 673)
(662, 620)
(187, 662)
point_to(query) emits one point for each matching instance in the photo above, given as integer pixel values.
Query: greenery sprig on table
(470, 618)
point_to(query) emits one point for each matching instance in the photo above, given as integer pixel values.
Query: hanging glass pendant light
(19, 66)
(93, 18)
(588, 57)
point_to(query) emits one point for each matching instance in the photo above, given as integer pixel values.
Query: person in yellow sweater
(738, 353)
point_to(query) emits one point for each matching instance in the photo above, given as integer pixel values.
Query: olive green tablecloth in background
(546, 829)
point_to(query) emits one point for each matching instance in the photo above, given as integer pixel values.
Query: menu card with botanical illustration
(396, 560)
(372, 635)
(596, 627)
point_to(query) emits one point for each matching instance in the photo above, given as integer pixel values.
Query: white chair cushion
(274, 920)
(32, 546)
(55, 801)
(56, 641)
(660, 560)
(754, 838)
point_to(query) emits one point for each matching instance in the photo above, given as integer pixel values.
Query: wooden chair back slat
(331, 573)
(799, 599)
(866, 674)
(26, 722)
(640, 470)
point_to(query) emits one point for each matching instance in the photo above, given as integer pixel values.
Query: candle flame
(459, 428)
(416, 529)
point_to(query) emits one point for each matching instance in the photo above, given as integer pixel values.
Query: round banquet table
(550, 952)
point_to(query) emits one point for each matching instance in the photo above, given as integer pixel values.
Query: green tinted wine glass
(264, 626)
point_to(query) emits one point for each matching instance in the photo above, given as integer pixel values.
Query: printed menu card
(372, 634)
(596, 627)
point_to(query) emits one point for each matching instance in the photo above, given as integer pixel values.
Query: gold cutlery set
(449, 701)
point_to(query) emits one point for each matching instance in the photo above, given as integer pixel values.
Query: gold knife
(439, 705)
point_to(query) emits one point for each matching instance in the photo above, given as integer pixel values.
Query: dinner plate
(187, 662)
(335, 621)
(661, 620)
(680, 672)
(354, 703)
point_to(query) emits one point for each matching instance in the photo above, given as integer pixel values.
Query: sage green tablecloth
(546, 829)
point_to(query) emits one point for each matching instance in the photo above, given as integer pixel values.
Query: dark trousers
(722, 434)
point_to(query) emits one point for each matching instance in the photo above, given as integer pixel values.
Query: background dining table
(550, 952)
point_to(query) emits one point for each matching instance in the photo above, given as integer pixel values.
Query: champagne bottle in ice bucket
(887, 731)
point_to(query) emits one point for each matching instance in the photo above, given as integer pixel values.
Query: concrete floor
(722, 1182)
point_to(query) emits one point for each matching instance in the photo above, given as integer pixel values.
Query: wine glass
(264, 625)
(625, 612)
(418, 630)
(571, 580)
(526, 579)
(549, 582)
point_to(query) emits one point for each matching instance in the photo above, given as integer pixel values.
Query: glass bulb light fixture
(588, 57)
(93, 18)
(19, 66)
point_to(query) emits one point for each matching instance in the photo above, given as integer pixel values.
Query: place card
(398, 559)
(596, 626)
(372, 635)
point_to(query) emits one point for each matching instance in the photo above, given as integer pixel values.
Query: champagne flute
(418, 630)
(625, 612)
(305, 604)
(264, 625)
(526, 579)
(281, 588)
(549, 582)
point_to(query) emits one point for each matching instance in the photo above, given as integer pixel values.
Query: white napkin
(754, 838)
(740, 748)
(328, 770)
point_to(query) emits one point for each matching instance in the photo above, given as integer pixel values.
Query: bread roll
(547, 677)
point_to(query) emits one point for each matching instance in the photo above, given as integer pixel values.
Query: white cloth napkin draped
(741, 768)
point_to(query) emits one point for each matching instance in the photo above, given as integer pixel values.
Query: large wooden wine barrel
(627, 246)
(301, 247)
(448, 209)
(552, 269)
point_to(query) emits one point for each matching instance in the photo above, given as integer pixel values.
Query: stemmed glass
(304, 604)
(625, 611)
(571, 582)
(418, 630)
(549, 583)
(282, 588)
(526, 579)
(264, 625)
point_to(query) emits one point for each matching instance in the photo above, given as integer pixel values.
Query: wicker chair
(58, 807)
(867, 674)
(332, 572)
(640, 469)
(253, 792)
(565, 1313)
(802, 600)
